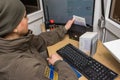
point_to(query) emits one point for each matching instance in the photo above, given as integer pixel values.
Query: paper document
(79, 20)
(114, 48)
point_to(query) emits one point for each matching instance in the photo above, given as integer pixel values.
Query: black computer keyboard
(89, 67)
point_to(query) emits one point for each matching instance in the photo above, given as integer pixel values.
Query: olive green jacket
(25, 58)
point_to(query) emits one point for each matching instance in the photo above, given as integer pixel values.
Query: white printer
(88, 42)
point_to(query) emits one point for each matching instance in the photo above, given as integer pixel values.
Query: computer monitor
(112, 19)
(62, 10)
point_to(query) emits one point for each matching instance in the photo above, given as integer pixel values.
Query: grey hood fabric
(11, 14)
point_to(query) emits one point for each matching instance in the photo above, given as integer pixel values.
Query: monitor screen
(62, 10)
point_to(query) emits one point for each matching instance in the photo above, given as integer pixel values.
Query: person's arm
(65, 72)
(52, 37)
(29, 68)
(56, 35)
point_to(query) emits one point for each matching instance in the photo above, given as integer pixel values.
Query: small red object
(51, 21)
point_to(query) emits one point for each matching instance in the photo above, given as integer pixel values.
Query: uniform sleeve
(32, 69)
(65, 72)
(48, 38)
(54, 36)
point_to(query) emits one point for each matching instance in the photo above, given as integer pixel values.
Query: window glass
(31, 5)
(115, 11)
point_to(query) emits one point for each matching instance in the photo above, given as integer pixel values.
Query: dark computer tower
(58, 12)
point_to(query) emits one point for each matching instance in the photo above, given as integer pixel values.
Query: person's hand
(53, 58)
(69, 24)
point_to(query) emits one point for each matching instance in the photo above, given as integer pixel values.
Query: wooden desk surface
(102, 55)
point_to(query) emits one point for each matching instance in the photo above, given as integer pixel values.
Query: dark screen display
(63, 10)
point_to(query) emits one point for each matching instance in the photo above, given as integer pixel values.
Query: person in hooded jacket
(23, 56)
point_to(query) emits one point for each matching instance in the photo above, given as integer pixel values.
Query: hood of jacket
(20, 44)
